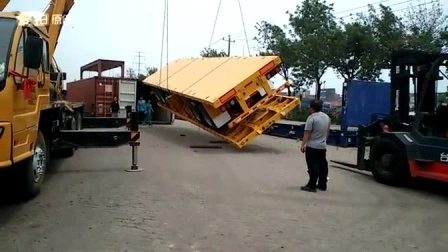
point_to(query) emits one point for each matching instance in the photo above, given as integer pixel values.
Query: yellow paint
(212, 112)
(249, 128)
(22, 113)
(208, 79)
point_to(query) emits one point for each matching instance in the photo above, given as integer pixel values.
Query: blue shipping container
(364, 99)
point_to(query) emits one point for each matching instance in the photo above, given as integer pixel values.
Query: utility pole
(139, 59)
(228, 40)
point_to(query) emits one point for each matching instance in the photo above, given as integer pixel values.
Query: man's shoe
(308, 189)
(322, 187)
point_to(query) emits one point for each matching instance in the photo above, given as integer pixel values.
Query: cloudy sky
(117, 30)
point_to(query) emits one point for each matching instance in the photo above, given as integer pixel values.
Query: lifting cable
(214, 25)
(244, 27)
(164, 26)
(165, 36)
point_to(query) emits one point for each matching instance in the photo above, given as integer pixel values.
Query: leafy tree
(427, 27)
(151, 70)
(353, 50)
(312, 25)
(274, 41)
(130, 73)
(387, 32)
(210, 52)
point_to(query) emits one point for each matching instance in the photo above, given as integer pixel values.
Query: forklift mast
(407, 66)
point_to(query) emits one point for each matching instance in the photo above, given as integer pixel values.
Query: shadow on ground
(11, 201)
(199, 141)
(425, 186)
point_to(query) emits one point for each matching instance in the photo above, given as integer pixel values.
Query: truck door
(127, 95)
(26, 115)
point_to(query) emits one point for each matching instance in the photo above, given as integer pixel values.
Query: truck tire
(31, 172)
(389, 163)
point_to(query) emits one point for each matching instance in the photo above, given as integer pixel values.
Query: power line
(242, 36)
(393, 10)
(362, 7)
(139, 61)
(228, 40)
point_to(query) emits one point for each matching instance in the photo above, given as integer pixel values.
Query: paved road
(217, 200)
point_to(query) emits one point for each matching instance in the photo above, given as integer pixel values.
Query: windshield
(7, 27)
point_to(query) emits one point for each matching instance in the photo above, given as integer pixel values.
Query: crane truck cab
(34, 120)
(27, 116)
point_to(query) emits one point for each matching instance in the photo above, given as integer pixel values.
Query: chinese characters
(43, 19)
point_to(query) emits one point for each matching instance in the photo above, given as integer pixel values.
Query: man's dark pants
(141, 117)
(316, 160)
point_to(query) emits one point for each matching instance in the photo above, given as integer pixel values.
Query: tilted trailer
(229, 97)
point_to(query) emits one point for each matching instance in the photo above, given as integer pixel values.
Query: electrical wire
(214, 25)
(362, 7)
(244, 27)
(338, 16)
(395, 4)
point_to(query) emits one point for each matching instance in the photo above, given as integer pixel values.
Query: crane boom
(56, 12)
(3, 4)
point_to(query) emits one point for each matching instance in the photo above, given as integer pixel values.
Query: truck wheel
(32, 171)
(389, 163)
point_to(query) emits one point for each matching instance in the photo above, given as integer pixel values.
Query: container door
(127, 95)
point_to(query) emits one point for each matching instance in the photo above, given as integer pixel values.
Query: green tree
(210, 52)
(427, 27)
(130, 73)
(312, 25)
(353, 48)
(149, 72)
(273, 40)
(387, 32)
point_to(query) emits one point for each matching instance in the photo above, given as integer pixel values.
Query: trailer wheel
(389, 162)
(31, 172)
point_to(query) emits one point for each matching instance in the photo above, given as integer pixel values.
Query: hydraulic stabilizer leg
(134, 143)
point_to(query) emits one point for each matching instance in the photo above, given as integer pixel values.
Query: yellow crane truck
(34, 121)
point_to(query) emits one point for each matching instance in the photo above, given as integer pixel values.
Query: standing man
(141, 108)
(115, 107)
(149, 111)
(314, 145)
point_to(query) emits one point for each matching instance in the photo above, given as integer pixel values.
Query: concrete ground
(218, 200)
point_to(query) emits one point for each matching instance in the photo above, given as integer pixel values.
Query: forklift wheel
(389, 163)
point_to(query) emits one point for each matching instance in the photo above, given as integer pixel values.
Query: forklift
(408, 145)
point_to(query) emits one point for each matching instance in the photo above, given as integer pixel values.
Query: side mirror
(55, 76)
(33, 52)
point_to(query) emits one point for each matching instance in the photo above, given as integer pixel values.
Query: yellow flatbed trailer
(229, 97)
